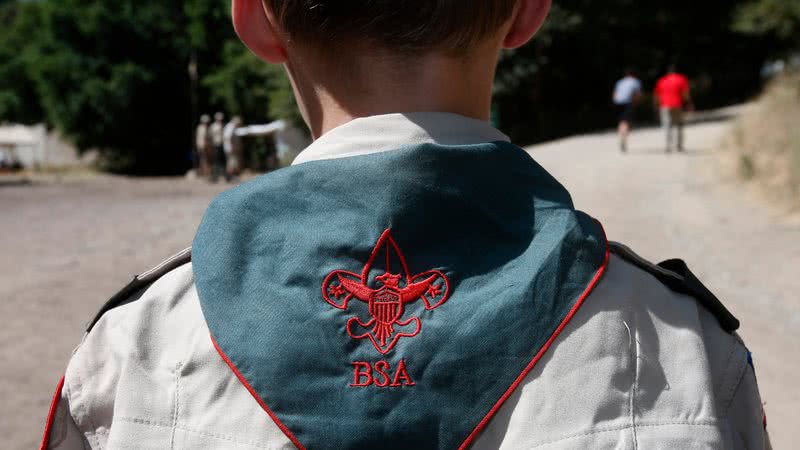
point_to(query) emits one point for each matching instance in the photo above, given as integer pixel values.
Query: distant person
(203, 146)
(673, 98)
(218, 141)
(627, 92)
(233, 147)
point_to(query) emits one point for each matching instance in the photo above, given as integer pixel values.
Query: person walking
(233, 147)
(673, 98)
(627, 92)
(203, 146)
(217, 131)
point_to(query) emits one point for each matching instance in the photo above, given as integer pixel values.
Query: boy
(414, 281)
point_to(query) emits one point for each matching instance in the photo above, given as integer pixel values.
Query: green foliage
(243, 84)
(18, 97)
(562, 82)
(206, 23)
(282, 103)
(130, 77)
(117, 75)
(238, 82)
(764, 17)
(112, 75)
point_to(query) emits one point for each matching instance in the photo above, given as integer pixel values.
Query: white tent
(262, 130)
(17, 135)
(21, 144)
(34, 147)
(289, 141)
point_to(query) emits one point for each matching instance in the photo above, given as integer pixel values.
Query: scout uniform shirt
(413, 281)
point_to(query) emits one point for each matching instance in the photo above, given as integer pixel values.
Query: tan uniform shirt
(638, 367)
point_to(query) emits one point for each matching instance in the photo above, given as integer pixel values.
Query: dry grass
(764, 148)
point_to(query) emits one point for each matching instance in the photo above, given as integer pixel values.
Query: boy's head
(413, 26)
(451, 26)
(337, 48)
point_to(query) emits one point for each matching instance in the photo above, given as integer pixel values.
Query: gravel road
(683, 205)
(66, 246)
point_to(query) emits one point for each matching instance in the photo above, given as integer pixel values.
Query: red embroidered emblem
(386, 295)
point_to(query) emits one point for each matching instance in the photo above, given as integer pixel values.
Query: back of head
(399, 26)
(358, 58)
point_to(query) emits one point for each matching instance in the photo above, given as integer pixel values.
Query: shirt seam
(93, 431)
(179, 426)
(628, 426)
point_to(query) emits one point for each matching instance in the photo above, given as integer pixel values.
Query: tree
(561, 83)
(130, 77)
(112, 75)
(19, 101)
(244, 84)
(777, 17)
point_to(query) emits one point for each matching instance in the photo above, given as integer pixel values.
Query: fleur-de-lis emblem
(386, 295)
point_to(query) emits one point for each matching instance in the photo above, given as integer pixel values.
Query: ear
(256, 28)
(528, 18)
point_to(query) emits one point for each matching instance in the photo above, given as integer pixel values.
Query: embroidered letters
(381, 375)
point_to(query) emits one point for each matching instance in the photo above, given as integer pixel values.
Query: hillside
(764, 145)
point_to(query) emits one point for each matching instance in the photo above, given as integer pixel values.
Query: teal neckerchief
(393, 300)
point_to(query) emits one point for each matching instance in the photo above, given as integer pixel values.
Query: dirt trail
(67, 246)
(676, 205)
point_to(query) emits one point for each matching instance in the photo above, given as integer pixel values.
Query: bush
(766, 141)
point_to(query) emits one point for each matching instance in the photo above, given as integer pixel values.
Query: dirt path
(66, 247)
(675, 205)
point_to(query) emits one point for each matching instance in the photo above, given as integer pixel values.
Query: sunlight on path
(673, 205)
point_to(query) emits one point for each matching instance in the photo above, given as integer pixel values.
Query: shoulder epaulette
(675, 274)
(142, 281)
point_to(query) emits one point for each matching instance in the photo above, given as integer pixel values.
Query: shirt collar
(387, 132)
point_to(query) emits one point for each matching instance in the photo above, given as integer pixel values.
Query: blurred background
(129, 80)
(101, 176)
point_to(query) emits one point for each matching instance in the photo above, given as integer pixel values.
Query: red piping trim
(479, 428)
(257, 397)
(599, 275)
(51, 416)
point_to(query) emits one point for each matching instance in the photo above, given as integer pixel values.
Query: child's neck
(433, 83)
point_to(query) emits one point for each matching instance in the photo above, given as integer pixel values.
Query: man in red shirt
(672, 97)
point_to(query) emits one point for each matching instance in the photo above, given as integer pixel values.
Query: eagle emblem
(387, 293)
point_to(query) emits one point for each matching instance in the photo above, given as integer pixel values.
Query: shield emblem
(386, 305)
